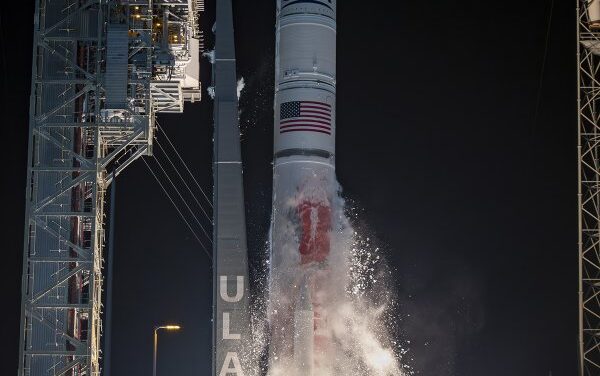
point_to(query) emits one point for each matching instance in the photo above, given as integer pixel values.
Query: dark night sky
(474, 204)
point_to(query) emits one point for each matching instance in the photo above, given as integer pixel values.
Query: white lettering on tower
(239, 292)
(226, 325)
(231, 364)
(230, 358)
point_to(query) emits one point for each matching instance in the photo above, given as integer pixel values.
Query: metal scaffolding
(92, 113)
(588, 56)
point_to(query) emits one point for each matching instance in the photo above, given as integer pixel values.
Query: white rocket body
(305, 72)
(304, 333)
(303, 186)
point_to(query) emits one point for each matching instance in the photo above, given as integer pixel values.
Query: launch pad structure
(588, 101)
(101, 71)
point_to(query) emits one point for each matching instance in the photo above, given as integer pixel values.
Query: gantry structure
(101, 71)
(588, 61)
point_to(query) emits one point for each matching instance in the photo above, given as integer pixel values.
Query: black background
(473, 202)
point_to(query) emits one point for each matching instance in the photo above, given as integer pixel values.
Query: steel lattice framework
(588, 55)
(91, 115)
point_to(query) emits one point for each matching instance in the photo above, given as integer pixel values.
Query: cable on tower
(184, 181)
(177, 208)
(182, 199)
(538, 99)
(184, 164)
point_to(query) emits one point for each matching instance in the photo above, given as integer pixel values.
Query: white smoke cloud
(211, 91)
(240, 86)
(359, 303)
(210, 55)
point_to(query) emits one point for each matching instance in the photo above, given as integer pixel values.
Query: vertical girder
(588, 60)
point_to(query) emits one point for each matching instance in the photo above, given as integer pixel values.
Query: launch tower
(588, 61)
(101, 71)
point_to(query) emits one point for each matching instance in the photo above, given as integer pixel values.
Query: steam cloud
(359, 304)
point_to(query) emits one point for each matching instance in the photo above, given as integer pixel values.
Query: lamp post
(156, 329)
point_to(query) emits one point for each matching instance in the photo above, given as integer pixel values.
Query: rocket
(304, 332)
(304, 187)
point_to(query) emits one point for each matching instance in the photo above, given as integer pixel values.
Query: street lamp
(156, 329)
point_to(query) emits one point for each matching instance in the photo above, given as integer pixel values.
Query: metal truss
(92, 113)
(588, 55)
(76, 147)
(172, 84)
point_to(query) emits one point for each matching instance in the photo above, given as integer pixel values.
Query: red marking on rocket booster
(315, 220)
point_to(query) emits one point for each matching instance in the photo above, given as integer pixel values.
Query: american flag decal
(305, 116)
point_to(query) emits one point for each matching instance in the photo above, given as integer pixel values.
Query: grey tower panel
(117, 49)
(231, 318)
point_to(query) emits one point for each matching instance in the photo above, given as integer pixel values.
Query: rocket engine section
(304, 187)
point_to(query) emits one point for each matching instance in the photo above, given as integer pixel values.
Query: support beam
(588, 102)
